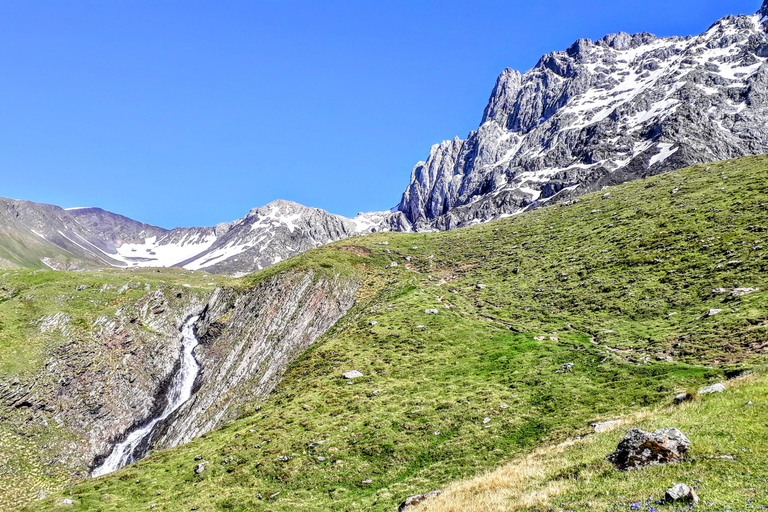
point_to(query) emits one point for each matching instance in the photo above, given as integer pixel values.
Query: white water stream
(181, 389)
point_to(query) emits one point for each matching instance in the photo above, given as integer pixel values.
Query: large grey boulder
(640, 448)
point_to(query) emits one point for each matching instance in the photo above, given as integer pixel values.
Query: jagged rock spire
(764, 10)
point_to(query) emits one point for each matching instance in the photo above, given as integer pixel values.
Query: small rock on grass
(714, 388)
(681, 492)
(431, 311)
(739, 292)
(352, 374)
(605, 426)
(412, 501)
(683, 397)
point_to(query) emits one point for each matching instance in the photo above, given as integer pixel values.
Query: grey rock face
(763, 12)
(600, 113)
(113, 228)
(640, 448)
(92, 400)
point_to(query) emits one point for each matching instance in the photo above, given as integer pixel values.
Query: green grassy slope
(21, 248)
(619, 284)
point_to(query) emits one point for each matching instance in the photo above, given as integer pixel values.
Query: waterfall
(134, 446)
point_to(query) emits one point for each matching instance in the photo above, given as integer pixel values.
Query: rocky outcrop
(247, 341)
(96, 382)
(600, 113)
(640, 448)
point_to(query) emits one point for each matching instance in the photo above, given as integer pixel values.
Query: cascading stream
(129, 450)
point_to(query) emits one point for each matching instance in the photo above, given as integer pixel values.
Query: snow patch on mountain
(158, 252)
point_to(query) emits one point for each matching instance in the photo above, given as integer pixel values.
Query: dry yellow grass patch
(520, 484)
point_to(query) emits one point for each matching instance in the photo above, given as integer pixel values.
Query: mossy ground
(619, 284)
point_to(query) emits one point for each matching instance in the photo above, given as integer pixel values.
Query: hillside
(480, 345)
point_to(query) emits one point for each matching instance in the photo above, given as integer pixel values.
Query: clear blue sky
(186, 112)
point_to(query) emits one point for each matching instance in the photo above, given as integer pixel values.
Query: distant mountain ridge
(35, 234)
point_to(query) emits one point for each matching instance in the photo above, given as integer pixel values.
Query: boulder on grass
(681, 493)
(683, 397)
(640, 448)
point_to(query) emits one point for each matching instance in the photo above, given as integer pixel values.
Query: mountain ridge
(596, 114)
(79, 238)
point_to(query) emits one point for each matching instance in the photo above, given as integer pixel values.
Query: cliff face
(247, 341)
(598, 114)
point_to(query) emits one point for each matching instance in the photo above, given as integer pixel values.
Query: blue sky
(185, 112)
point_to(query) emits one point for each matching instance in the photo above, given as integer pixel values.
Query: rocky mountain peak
(597, 114)
(503, 96)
